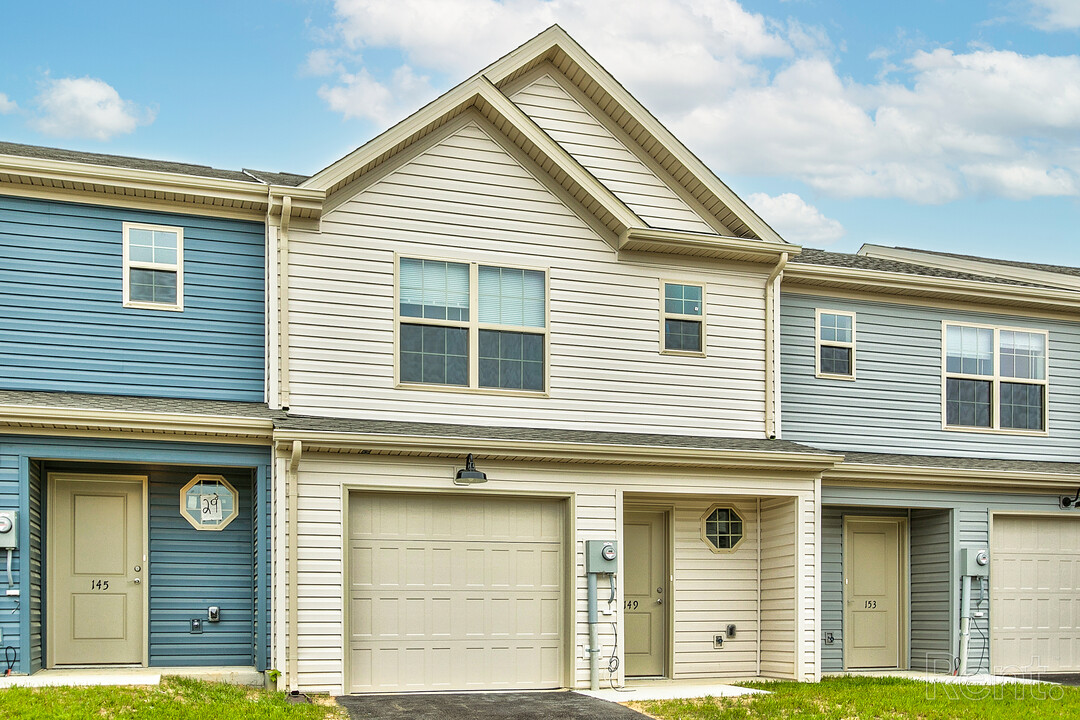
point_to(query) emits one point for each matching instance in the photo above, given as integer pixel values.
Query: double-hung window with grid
(502, 345)
(683, 318)
(153, 266)
(995, 378)
(836, 344)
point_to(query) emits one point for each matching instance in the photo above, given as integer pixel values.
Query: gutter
(772, 357)
(15, 416)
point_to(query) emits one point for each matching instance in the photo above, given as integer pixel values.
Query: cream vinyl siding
(712, 591)
(612, 163)
(467, 199)
(779, 603)
(594, 499)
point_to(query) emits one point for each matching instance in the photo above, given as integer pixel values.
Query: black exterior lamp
(469, 475)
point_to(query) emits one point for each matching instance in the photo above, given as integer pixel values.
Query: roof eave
(562, 452)
(675, 242)
(931, 286)
(24, 174)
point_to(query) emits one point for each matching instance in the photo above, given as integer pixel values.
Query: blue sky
(929, 123)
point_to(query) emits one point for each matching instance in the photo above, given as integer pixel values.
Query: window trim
(473, 325)
(702, 318)
(818, 343)
(704, 520)
(129, 264)
(995, 381)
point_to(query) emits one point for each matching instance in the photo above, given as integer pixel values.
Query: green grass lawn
(877, 699)
(175, 698)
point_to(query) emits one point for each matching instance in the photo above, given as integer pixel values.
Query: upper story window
(683, 318)
(836, 344)
(995, 378)
(153, 267)
(442, 341)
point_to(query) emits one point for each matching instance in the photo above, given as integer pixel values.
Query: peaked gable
(724, 227)
(600, 152)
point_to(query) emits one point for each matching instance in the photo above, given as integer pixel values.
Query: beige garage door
(1035, 594)
(455, 592)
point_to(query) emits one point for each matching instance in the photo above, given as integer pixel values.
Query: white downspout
(283, 244)
(293, 589)
(771, 354)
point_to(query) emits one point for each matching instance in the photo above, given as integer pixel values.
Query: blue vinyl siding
(63, 326)
(192, 569)
(189, 569)
(895, 404)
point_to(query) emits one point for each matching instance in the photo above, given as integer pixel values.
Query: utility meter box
(9, 529)
(601, 556)
(975, 562)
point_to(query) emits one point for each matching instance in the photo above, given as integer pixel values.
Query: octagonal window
(722, 529)
(209, 502)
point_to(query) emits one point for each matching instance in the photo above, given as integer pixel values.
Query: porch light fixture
(469, 475)
(1067, 502)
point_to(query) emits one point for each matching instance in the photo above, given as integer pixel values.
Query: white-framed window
(471, 325)
(995, 378)
(682, 318)
(153, 266)
(835, 344)
(209, 502)
(722, 528)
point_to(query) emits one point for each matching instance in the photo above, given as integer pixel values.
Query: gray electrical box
(975, 562)
(9, 529)
(601, 556)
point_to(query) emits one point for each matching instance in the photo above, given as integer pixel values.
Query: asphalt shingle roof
(1061, 269)
(133, 163)
(587, 437)
(810, 256)
(128, 403)
(962, 463)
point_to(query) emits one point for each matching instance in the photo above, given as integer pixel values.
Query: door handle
(659, 601)
(138, 581)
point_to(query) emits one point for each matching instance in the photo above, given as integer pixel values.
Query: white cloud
(795, 219)
(7, 105)
(87, 107)
(1056, 14)
(753, 95)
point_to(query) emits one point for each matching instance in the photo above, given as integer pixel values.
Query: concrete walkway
(638, 690)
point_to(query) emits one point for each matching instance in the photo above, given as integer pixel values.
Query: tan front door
(96, 570)
(645, 593)
(872, 592)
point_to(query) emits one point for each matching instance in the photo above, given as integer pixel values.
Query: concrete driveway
(556, 705)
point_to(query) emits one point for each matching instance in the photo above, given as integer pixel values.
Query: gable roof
(754, 241)
(554, 45)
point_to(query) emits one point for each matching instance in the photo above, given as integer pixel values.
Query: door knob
(659, 601)
(138, 581)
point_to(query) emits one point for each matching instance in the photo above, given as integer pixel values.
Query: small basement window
(683, 319)
(722, 528)
(835, 344)
(209, 502)
(153, 267)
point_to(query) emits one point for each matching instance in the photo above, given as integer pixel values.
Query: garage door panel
(475, 604)
(1034, 576)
